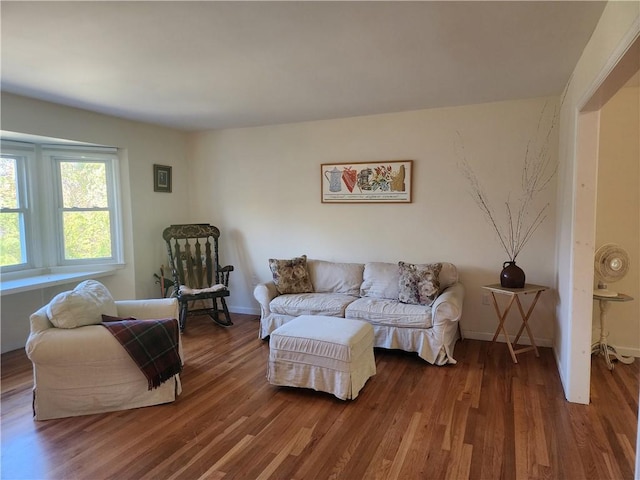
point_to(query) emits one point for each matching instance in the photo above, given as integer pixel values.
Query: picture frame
(162, 178)
(367, 182)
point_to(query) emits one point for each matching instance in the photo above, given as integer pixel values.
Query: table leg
(620, 358)
(602, 346)
(502, 317)
(525, 322)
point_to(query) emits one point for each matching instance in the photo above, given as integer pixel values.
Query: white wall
(618, 204)
(145, 213)
(261, 186)
(615, 31)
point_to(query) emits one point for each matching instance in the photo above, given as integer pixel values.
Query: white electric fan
(611, 263)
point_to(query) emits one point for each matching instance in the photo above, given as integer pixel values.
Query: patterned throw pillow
(291, 276)
(419, 284)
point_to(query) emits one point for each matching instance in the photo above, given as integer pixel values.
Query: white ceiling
(204, 65)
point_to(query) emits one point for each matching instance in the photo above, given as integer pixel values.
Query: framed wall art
(161, 178)
(366, 182)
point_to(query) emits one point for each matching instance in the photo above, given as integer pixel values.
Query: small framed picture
(161, 178)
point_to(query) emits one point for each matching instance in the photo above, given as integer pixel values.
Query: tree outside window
(86, 222)
(12, 212)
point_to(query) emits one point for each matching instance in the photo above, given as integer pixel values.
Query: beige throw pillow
(380, 280)
(84, 305)
(291, 276)
(333, 277)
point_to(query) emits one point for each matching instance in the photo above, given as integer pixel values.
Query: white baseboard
(524, 339)
(244, 310)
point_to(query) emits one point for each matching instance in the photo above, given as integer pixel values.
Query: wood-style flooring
(484, 418)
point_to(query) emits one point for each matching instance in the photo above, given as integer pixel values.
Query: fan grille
(611, 262)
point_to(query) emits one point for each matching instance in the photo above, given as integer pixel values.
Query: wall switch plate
(485, 299)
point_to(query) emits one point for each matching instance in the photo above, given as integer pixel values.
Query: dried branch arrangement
(539, 167)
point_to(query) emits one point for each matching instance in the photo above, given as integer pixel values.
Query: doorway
(588, 144)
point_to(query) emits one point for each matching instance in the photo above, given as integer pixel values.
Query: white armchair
(85, 370)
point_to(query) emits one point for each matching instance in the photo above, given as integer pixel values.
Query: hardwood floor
(484, 418)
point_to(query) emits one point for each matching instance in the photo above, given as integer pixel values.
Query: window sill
(50, 279)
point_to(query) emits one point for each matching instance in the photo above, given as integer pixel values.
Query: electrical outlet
(485, 299)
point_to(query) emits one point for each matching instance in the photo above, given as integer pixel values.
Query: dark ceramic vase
(512, 276)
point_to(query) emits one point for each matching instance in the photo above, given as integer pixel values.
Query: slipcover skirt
(327, 354)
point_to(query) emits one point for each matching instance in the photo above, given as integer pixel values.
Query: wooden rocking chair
(197, 275)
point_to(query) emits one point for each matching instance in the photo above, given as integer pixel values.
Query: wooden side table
(514, 294)
(602, 347)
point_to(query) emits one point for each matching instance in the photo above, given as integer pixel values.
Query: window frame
(45, 237)
(58, 155)
(24, 155)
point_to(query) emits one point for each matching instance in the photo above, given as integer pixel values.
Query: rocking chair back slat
(197, 263)
(178, 269)
(209, 264)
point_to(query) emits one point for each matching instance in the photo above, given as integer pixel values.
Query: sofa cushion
(84, 305)
(332, 277)
(390, 313)
(419, 284)
(448, 275)
(291, 276)
(380, 280)
(329, 304)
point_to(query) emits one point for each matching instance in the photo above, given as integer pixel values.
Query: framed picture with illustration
(161, 178)
(366, 182)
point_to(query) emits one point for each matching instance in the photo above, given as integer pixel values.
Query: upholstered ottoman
(328, 354)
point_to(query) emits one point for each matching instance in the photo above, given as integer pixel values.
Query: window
(85, 217)
(84, 207)
(14, 209)
(59, 206)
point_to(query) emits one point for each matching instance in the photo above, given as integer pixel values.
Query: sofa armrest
(39, 322)
(264, 293)
(144, 309)
(448, 305)
(43, 334)
(149, 308)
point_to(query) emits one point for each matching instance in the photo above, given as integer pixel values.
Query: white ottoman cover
(327, 354)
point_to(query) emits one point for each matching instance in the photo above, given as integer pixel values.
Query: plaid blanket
(152, 344)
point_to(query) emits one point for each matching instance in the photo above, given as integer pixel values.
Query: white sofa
(82, 369)
(372, 292)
